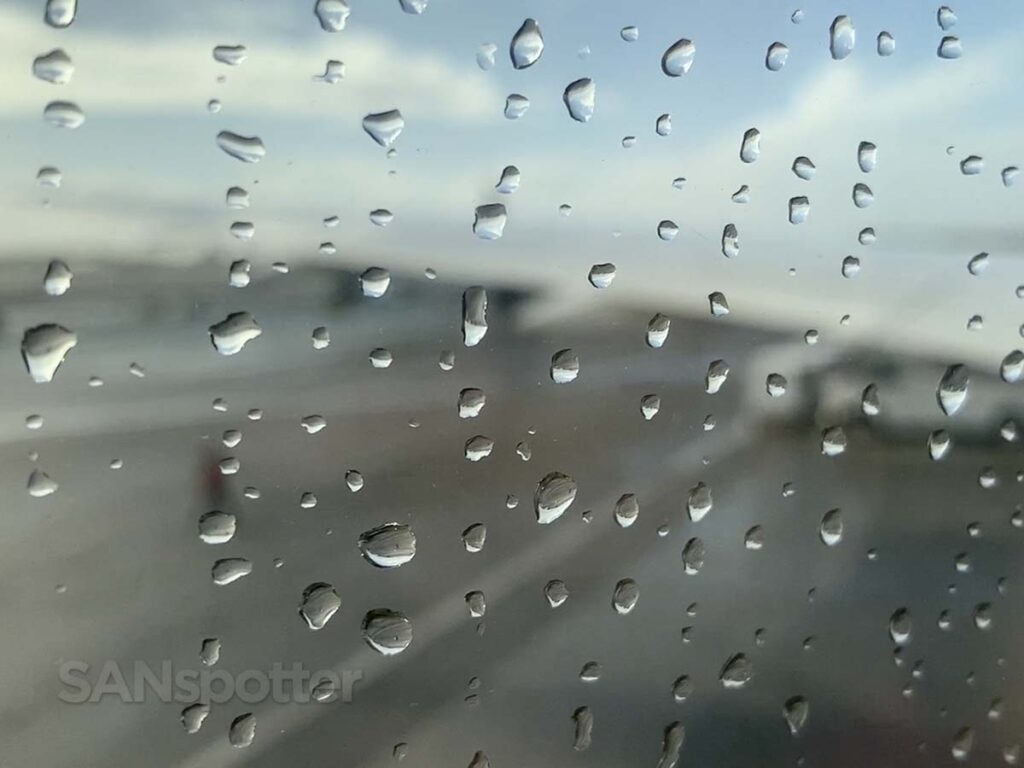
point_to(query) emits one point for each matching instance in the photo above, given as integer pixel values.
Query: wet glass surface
(579, 383)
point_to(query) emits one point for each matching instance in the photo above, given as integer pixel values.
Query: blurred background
(110, 566)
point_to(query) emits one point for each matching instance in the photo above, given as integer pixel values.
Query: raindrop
(718, 372)
(831, 528)
(867, 156)
(387, 632)
(474, 537)
(476, 602)
(232, 55)
(730, 241)
(678, 58)
(509, 181)
(741, 195)
(795, 711)
(939, 444)
(945, 17)
(193, 715)
(799, 208)
(58, 277)
(230, 335)
(243, 728)
(776, 57)
(331, 14)
(625, 596)
(851, 267)
(591, 672)
(579, 99)
(554, 495)
(237, 198)
(983, 616)
(388, 546)
(737, 671)
(842, 37)
(384, 127)
(804, 168)
(485, 55)
(1009, 175)
(320, 602)
(471, 402)
(719, 305)
(217, 527)
(601, 275)
(671, 744)
(43, 349)
(230, 569)
(478, 447)
(415, 7)
(869, 404)
(699, 502)
(527, 45)
(657, 330)
(381, 217)
(663, 125)
(971, 165)
(474, 322)
(334, 71)
(53, 67)
(243, 230)
(489, 221)
(626, 510)
(556, 592)
(1012, 368)
(584, 720)
(321, 337)
(862, 195)
(245, 148)
(374, 282)
(649, 406)
(978, 263)
(900, 626)
(750, 148)
(886, 44)
(950, 48)
(40, 484)
(60, 13)
(381, 358)
(952, 389)
(629, 34)
(833, 441)
(516, 105)
(963, 743)
(775, 384)
(64, 114)
(565, 366)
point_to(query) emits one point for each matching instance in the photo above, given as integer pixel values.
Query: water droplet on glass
(63, 114)
(474, 322)
(381, 217)
(667, 230)
(795, 711)
(718, 372)
(900, 626)
(699, 502)
(950, 48)
(601, 275)
(678, 58)
(474, 537)
(248, 149)
(387, 632)
(776, 57)
(737, 671)
(867, 156)
(831, 528)
(489, 221)
(216, 527)
(60, 13)
(584, 720)
(741, 195)
(556, 592)
(972, 165)
(833, 441)
(625, 596)
(334, 71)
(804, 168)
(516, 105)
(952, 389)
(626, 510)
(242, 730)
(43, 349)
(886, 44)
(799, 208)
(384, 127)
(730, 241)
(1009, 175)
(58, 277)
(671, 744)
(331, 14)
(565, 366)
(485, 55)
(509, 181)
(527, 45)
(1012, 368)
(579, 99)
(40, 484)
(478, 447)
(945, 17)
(750, 148)
(389, 545)
(554, 495)
(862, 195)
(663, 125)
(232, 55)
(963, 743)
(415, 7)
(842, 37)
(230, 335)
(230, 569)
(53, 67)
(193, 715)
(476, 603)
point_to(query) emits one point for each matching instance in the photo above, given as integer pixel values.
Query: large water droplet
(53, 67)
(962, 744)
(952, 390)
(231, 334)
(565, 366)
(626, 510)
(193, 715)
(242, 730)
(389, 545)
(804, 168)
(699, 502)
(232, 55)
(44, 347)
(248, 149)
(217, 527)
(693, 556)
(730, 241)
(485, 55)
(554, 495)
(775, 58)
(331, 14)
(474, 320)
(831, 528)
(320, 602)
(474, 537)
(58, 278)
(387, 632)
(601, 275)
(40, 484)
(972, 165)
(945, 17)
(900, 626)
(862, 195)
(886, 44)
(384, 127)
(799, 209)
(667, 230)
(718, 372)
(833, 441)
(527, 45)
(489, 221)
(750, 148)
(64, 114)
(950, 48)
(60, 13)
(579, 99)
(476, 603)
(671, 744)
(795, 711)
(1012, 367)
(842, 37)
(737, 671)
(584, 720)
(516, 105)
(678, 58)
(230, 569)
(415, 7)
(658, 328)
(867, 156)
(625, 596)
(509, 181)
